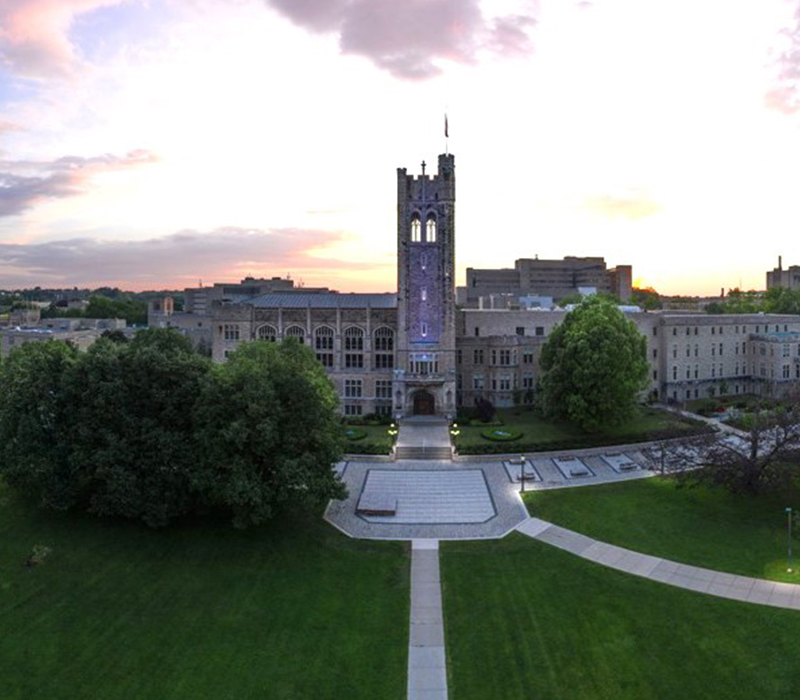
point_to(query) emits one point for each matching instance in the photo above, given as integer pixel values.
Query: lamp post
(522, 473)
(789, 537)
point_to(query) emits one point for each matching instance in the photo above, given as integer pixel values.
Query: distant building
(198, 300)
(81, 332)
(548, 278)
(786, 279)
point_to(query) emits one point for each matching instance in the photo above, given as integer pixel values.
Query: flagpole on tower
(446, 136)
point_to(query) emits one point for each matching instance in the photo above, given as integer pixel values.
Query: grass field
(377, 441)
(540, 432)
(525, 620)
(702, 526)
(119, 612)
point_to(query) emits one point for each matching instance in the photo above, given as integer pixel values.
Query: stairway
(428, 452)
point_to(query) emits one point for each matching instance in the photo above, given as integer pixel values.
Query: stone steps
(423, 453)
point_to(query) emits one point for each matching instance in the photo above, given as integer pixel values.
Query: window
(713, 351)
(720, 349)
(696, 371)
(527, 381)
(688, 372)
(786, 371)
(477, 382)
(520, 330)
(231, 331)
(674, 352)
(383, 345)
(527, 358)
(477, 356)
(353, 360)
(505, 384)
(695, 330)
(351, 409)
(477, 331)
(384, 340)
(383, 410)
(354, 339)
(505, 357)
(655, 330)
(655, 374)
(416, 229)
(323, 338)
(696, 350)
(268, 333)
(539, 330)
(383, 389)
(688, 351)
(674, 331)
(674, 372)
(430, 229)
(352, 388)
(786, 350)
(713, 330)
(459, 356)
(323, 344)
(295, 332)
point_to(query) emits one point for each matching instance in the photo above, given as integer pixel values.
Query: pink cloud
(33, 35)
(178, 259)
(409, 38)
(24, 184)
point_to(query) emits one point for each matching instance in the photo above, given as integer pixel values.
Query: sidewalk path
(742, 588)
(427, 671)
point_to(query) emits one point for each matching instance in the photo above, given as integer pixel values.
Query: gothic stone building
(414, 352)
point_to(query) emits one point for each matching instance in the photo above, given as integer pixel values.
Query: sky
(155, 144)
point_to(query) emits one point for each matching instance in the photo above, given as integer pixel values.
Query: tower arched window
(267, 333)
(430, 229)
(295, 332)
(416, 229)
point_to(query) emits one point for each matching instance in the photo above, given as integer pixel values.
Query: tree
(763, 460)
(34, 418)
(131, 428)
(594, 366)
(484, 409)
(268, 432)
(646, 297)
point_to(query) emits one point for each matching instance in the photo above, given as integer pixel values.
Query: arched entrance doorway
(424, 404)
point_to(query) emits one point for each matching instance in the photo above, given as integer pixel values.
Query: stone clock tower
(425, 378)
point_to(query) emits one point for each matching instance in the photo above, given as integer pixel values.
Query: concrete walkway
(717, 583)
(423, 432)
(427, 670)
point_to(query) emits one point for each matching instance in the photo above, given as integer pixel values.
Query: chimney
(780, 262)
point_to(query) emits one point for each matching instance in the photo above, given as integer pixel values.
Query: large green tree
(35, 412)
(268, 432)
(132, 429)
(594, 366)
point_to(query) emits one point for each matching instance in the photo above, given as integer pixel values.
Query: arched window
(353, 347)
(323, 338)
(430, 229)
(295, 332)
(416, 229)
(383, 347)
(354, 339)
(268, 333)
(323, 344)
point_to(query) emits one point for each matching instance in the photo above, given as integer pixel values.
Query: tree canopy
(594, 366)
(151, 430)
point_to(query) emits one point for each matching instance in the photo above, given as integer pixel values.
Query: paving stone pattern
(452, 496)
(427, 670)
(693, 578)
(462, 523)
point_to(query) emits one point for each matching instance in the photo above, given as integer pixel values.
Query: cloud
(409, 38)
(177, 259)
(633, 206)
(785, 95)
(34, 40)
(24, 184)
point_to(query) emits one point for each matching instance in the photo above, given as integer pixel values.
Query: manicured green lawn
(377, 441)
(118, 612)
(526, 620)
(702, 526)
(543, 434)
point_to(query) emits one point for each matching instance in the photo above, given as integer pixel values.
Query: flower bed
(501, 434)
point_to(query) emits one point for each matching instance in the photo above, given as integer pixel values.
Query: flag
(446, 135)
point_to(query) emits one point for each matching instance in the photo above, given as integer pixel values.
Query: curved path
(693, 578)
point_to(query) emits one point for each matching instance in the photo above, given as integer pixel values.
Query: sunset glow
(153, 143)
